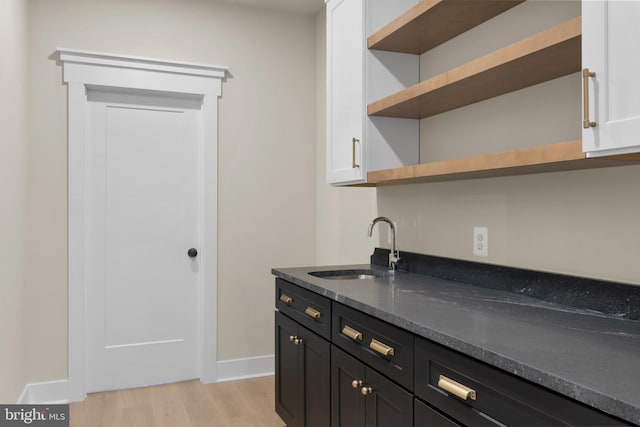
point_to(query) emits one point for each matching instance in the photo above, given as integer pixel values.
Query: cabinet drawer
(425, 416)
(477, 394)
(383, 346)
(309, 309)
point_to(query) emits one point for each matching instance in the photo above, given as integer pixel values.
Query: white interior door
(143, 192)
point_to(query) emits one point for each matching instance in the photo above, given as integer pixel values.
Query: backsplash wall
(580, 222)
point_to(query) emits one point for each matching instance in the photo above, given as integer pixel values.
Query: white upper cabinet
(357, 143)
(345, 91)
(610, 37)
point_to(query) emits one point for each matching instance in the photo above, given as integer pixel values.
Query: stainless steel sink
(347, 274)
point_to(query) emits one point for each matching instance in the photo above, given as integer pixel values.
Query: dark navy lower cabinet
(425, 416)
(476, 394)
(340, 367)
(347, 401)
(302, 375)
(361, 397)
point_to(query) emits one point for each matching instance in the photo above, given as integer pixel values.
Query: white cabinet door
(610, 37)
(356, 76)
(345, 92)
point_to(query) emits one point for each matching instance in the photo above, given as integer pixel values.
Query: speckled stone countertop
(580, 353)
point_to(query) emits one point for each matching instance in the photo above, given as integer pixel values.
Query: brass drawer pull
(381, 348)
(455, 388)
(352, 333)
(314, 314)
(356, 383)
(366, 390)
(286, 299)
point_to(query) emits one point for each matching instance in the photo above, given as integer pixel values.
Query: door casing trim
(83, 69)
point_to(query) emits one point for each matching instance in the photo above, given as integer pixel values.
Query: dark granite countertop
(589, 356)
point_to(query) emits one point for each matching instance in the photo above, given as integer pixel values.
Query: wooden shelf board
(544, 56)
(361, 185)
(433, 22)
(546, 158)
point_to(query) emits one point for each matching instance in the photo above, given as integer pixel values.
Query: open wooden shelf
(547, 158)
(545, 56)
(433, 22)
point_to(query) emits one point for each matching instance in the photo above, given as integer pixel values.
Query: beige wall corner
(343, 213)
(13, 186)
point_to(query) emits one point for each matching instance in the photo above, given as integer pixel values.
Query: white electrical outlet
(481, 241)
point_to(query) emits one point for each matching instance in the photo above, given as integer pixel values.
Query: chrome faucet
(394, 255)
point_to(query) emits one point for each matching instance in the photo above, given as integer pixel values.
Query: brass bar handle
(356, 383)
(455, 388)
(381, 348)
(354, 141)
(314, 314)
(366, 390)
(352, 333)
(585, 92)
(286, 299)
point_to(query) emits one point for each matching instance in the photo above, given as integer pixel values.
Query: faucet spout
(394, 255)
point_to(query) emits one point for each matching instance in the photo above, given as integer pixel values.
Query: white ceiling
(300, 6)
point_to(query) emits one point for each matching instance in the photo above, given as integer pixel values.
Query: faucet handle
(398, 260)
(394, 260)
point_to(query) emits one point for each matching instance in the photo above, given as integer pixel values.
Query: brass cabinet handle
(286, 299)
(366, 390)
(352, 333)
(585, 92)
(294, 339)
(354, 141)
(356, 383)
(381, 348)
(314, 314)
(455, 388)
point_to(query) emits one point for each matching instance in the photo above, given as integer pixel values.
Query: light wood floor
(246, 403)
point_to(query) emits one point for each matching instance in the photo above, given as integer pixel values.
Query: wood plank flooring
(246, 403)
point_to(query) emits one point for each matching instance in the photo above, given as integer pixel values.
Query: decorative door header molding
(139, 62)
(102, 69)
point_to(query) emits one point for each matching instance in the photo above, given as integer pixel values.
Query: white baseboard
(55, 392)
(52, 392)
(24, 396)
(250, 367)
